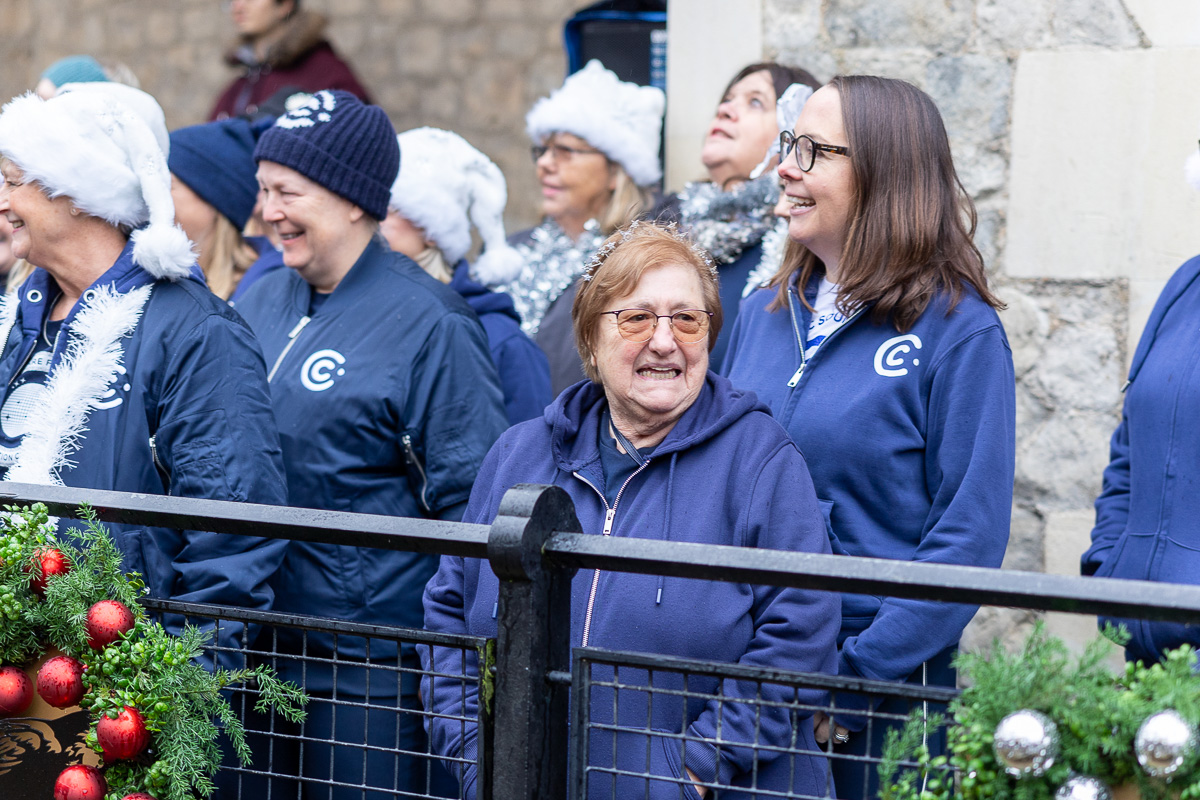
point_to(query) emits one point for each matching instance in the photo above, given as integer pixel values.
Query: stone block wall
(472, 66)
(1040, 175)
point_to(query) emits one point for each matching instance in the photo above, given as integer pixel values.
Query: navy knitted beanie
(216, 161)
(334, 139)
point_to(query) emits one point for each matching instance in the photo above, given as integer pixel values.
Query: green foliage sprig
(148, 668)
(1097, 713)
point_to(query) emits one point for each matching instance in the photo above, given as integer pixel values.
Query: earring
(74, 211)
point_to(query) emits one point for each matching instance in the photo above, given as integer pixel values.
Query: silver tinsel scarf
(726, 224)
(553, 260)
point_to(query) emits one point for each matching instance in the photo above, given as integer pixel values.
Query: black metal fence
(544, 732)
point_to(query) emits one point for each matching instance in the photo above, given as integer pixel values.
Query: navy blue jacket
(1148, 513)
(195, 381)
(387, 401)
(911, 443)
(521, 364)
(726, 474)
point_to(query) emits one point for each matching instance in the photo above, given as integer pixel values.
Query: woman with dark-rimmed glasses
(657, 447)
(878, 347)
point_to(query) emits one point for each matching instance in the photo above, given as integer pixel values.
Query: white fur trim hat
(91, 147)
(443, 180)
(139, 102)
(621, 120)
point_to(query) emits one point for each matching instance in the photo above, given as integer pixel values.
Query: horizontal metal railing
(535, 545)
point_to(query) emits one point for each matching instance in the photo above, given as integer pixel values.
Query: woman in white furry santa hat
(595, 147)
(121, 369)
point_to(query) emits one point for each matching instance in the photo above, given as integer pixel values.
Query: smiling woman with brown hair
(595, 148)
(878, 347)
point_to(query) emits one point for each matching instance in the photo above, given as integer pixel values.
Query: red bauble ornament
(123, 737)
(60, 681)
(16, 691)
(53, 562)
(80, 783)
(106, 621)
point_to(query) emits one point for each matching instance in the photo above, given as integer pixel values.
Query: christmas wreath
(1039, 724)
(155, 713)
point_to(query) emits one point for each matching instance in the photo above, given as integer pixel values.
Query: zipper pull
(299, 327)
(608, 520)
(796, 378)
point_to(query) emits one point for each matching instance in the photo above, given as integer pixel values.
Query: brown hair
(911, 222)
(782, 76)
(226, 258)
(641, 247)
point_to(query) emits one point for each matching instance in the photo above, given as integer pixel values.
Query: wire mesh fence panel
(364, 734)
(657, 727)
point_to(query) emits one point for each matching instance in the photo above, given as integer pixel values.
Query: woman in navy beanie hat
(214, 189)
(337, 141)
(374, 367)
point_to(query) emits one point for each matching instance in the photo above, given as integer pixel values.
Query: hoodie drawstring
(667, 522)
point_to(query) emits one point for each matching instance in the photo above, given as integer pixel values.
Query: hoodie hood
(303, 32)
(481, 299)
(574, 418)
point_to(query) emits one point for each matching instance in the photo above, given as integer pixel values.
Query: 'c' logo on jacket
(889, 358)
(321, 369)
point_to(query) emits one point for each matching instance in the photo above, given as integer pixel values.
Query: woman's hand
(821, 730)
(700, 790)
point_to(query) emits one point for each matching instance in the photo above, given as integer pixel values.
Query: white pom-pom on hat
(445, 185)
(91, 147)
(622, 120)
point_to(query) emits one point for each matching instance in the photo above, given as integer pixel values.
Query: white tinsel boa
(87, 369)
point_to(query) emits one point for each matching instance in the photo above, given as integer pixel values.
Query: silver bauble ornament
(1026, 743)
(1164, 742)
(1081, 787)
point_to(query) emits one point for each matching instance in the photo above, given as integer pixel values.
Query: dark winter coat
(522, 366)
(387, 401)
(302, 61)
(726, 474)
(188, 416)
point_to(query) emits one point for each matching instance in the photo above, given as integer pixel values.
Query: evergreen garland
(1098, 715)
(148, 668)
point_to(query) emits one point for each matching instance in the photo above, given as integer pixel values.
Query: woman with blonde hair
(214, 190)
(595, 146)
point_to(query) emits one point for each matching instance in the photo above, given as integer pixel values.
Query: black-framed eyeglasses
(806, 149)
(638, 325)
(560, 152)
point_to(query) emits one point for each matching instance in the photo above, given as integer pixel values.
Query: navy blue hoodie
(911, 442)
(188, 416)
(725, 474)
(1148, 513)
(523, 368)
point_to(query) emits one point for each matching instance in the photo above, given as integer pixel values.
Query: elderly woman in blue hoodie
(445, 185)
(655, 446)
(878, 347)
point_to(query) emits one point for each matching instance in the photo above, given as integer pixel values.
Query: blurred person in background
(72, 69)
(731, 213)
(595, 147)
(280, 49)
(214, 190)
(444, 187)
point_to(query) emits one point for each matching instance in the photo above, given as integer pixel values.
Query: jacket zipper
(609, 514)
(800, 341)
(410, 456)
(291, 341)
(154, 457)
